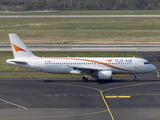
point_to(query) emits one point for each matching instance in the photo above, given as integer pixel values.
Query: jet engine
(105, 75)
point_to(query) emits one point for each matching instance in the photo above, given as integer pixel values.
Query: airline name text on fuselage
(123, 60)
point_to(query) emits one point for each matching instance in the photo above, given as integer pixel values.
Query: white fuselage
(124, 65)
(101, 67)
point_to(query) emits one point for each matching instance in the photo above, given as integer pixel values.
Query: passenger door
(37, 64)
(136, 63)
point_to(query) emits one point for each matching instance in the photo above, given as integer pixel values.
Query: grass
(45, 75)
(7, 70)
(82, 30)
(90, 12)
(110, 12)
(77, 31)
(35, 75)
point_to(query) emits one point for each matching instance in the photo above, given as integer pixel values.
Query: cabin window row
(85, 63)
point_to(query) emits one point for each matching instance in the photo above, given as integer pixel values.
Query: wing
(86, 70)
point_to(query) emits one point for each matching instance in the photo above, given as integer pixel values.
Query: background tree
(80, 4)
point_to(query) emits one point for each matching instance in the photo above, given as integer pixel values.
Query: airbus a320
(101, 67)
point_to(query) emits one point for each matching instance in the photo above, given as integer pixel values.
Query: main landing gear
(85, 79)
(135, 77)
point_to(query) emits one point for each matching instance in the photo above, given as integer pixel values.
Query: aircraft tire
(85, 79)
(135, 79)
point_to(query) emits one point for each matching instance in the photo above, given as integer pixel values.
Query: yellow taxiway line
(118, 96)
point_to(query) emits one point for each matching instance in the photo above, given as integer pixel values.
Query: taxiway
(87, 48)
(70, 98)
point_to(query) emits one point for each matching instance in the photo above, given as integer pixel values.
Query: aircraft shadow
(116, 80)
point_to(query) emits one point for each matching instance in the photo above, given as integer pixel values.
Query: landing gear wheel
(85, 79)
(135, 78)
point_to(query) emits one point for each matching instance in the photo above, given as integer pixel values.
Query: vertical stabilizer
(20, 50)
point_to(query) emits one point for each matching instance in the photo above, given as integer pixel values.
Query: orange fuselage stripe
(94, 62)
(88, 61)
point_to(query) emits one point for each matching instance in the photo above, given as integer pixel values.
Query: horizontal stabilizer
(13, 61)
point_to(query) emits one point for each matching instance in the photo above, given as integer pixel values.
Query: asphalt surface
(87, 47)
(11, 16)
(72, 99)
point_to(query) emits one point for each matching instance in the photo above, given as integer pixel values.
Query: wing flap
(86, 68)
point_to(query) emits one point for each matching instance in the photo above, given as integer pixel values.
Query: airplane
(101, 67)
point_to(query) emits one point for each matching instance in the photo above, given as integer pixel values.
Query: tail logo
(110, 60)
(17, 48)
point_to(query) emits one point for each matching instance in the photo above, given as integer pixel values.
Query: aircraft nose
(153, 67)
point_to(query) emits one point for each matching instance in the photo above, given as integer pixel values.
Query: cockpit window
(146, 63)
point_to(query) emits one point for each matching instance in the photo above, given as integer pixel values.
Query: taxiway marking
(60, 116)
(132, 85)
(118, 96)
(104, 48)
(157, 73)
(19, 106)
(101, 93)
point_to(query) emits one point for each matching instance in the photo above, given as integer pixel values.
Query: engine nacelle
(105, 75)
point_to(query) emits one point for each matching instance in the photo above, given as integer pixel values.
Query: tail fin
(20, 50)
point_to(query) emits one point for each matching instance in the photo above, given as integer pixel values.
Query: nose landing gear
(135, 77)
